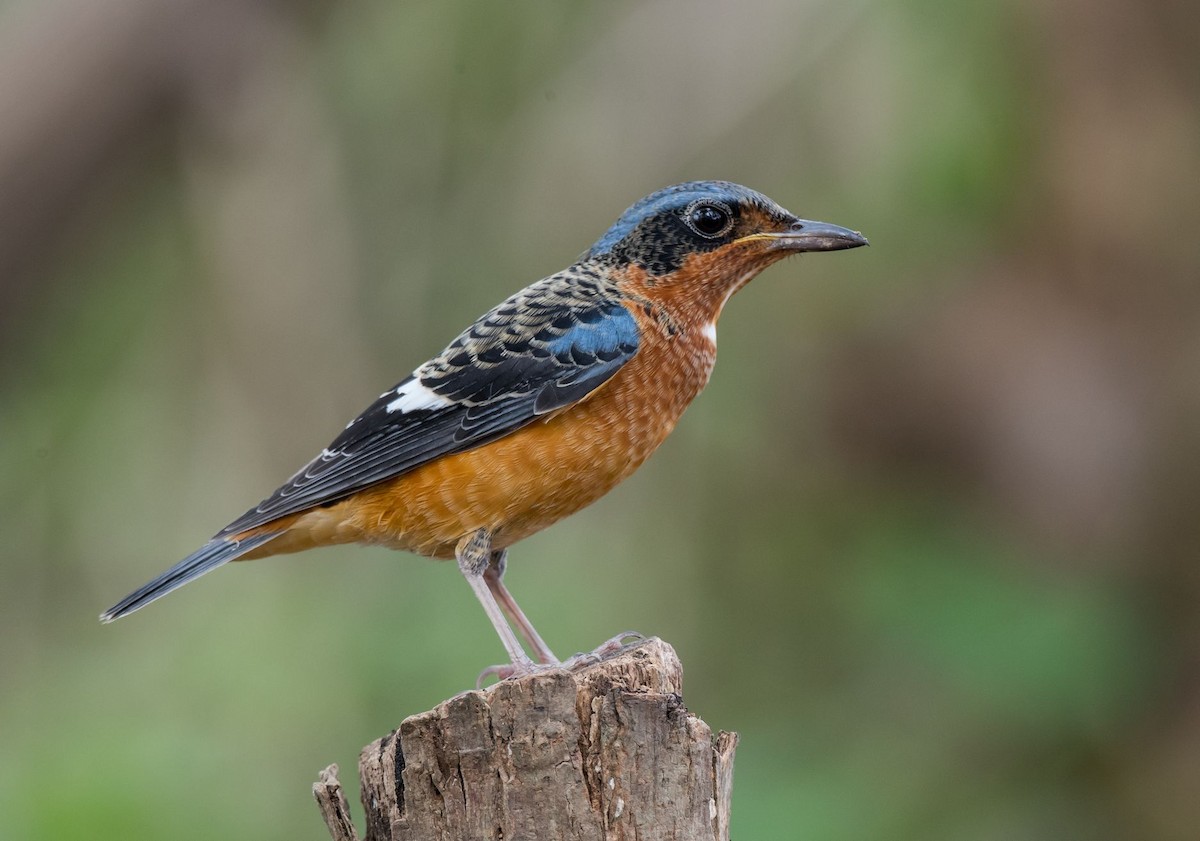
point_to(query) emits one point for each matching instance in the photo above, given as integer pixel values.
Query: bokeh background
(928, 541)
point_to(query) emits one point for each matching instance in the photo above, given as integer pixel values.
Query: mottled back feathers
(544, 348)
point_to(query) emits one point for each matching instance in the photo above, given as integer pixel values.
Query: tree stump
(604, 752)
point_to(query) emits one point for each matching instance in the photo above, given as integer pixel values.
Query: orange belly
(526, 481)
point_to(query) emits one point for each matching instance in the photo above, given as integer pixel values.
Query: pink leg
(474, 553)
(494, 576)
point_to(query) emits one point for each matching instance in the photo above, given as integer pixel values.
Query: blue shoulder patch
(616, 329)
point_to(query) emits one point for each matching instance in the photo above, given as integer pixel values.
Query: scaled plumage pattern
(537, 409)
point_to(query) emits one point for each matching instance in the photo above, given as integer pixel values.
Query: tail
(208, 557)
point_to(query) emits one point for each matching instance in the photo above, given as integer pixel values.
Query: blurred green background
(928, 541)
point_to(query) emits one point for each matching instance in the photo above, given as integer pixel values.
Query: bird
(541, 406)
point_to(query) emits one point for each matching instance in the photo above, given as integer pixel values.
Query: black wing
(541, 350)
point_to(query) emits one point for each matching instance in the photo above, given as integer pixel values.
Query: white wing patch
(411, 396)
(709, 331)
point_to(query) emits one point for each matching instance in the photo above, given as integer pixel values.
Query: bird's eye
(709, 220)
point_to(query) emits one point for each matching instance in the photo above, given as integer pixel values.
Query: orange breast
(526, 481)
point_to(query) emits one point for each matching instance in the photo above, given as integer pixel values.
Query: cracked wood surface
(604, 753)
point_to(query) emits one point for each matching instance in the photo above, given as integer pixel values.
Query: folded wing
(524, 359)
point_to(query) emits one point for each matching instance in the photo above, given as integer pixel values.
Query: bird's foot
(603, 651)
(511, 670)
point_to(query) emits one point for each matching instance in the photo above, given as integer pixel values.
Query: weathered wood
(335, 809)
(606, 752)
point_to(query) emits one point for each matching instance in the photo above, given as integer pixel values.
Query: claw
(498, 672)
(511, 670)
(612, 646)
(604, 650)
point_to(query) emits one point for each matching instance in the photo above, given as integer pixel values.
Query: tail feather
(208, 557)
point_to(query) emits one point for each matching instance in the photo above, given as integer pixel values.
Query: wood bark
(604, 752)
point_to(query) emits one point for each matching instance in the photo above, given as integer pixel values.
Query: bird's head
(703, 240)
